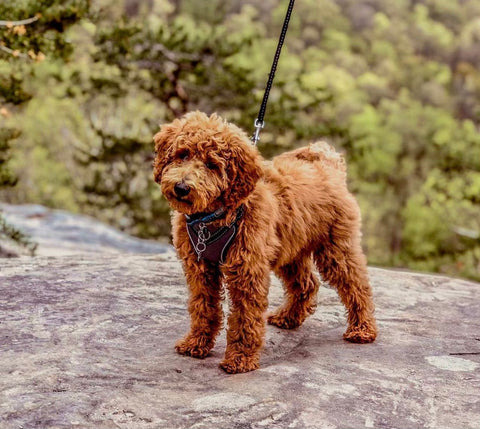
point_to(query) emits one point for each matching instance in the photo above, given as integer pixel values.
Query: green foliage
(116, 164)
(6, 176)
(8, 232)
(7, 179)
(29, 30)
(46, 33)
(394, 84)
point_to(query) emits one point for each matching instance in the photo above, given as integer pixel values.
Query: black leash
(259, 123)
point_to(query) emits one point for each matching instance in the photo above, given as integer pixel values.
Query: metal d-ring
(203, 232)
(200, 247)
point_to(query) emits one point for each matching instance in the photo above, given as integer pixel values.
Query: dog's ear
(244, 169)
(163, 149)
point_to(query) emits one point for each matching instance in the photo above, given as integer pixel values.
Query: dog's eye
(183, 155)
(211, 165)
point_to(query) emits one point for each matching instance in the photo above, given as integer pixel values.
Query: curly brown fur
(298, 214)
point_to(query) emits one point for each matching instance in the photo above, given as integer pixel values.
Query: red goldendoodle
(237, 217)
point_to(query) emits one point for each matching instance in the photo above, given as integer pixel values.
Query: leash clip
(258, 127)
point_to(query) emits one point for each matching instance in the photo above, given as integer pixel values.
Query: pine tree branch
(21, 22)
(12, 52)
(11, 233)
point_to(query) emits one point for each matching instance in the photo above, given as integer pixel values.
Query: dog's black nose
(181, 189)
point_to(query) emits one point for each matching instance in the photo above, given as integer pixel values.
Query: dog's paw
(239, 363)
(284, 320)
(360, 334)
(197, 347)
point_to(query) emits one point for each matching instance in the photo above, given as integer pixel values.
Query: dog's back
(319, 153)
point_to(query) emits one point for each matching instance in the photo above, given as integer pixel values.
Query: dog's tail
(321, 152)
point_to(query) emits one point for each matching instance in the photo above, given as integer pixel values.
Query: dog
(237, 217)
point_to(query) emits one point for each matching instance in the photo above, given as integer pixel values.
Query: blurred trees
(29, 30)
(393, 83)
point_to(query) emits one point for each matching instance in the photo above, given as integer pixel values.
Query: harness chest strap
(211, 242)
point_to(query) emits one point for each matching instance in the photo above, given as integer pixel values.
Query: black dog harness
(211, 242)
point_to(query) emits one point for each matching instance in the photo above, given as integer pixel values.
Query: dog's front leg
(248, 290)
(204, 307)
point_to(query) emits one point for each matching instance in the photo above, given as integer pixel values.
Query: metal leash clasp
(258, 127)
(203, 236)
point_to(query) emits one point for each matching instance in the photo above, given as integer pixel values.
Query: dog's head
(203, 163)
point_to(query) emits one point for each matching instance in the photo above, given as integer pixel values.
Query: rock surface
(58, 232)
(87, 341)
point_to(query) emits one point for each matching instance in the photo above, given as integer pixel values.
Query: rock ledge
(87, 341)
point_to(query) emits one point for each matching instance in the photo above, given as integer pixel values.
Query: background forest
(395, 84)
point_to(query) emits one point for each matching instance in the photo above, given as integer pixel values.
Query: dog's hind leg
(301, 287)
(343, 265)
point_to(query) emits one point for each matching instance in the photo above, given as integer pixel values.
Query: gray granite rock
(58, 232)
(87, 341)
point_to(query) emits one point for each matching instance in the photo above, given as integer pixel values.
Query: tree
(29, 30)
(394, 84)
(152, 71)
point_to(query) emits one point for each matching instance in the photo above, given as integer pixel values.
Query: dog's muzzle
(181, 189)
